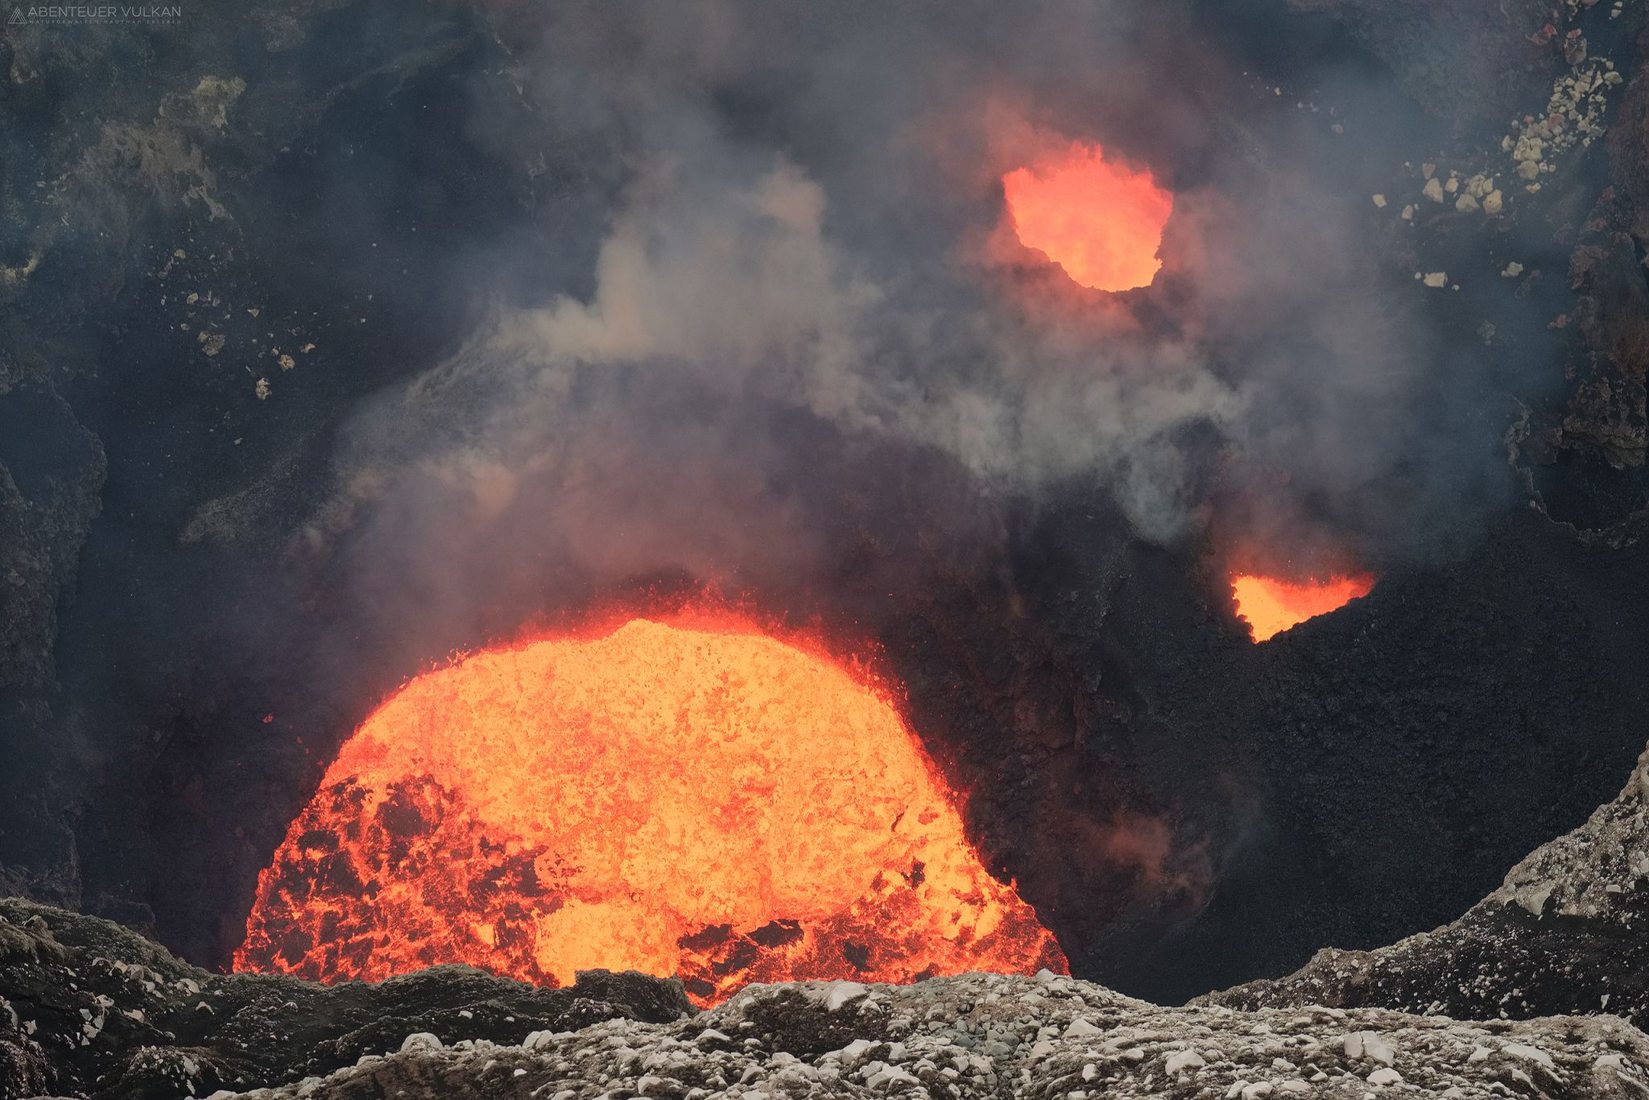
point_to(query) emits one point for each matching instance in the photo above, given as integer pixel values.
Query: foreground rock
(88, 1008)
(990, 1035)
(1565, 933)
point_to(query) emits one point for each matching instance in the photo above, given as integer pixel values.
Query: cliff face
(51, 477)
(1563, 934)
(1473, 65)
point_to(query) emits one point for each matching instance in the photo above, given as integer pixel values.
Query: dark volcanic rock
(51, 471)
(1565, 933)
(90, 1008)
(1399, 731)
(1465, 61)
(51, 474)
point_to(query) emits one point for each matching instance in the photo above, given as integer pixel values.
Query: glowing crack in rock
(1271, 606)
(692, 798)
(1100, 221)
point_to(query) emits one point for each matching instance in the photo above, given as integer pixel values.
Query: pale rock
(837, 995)
(1080, 1029)
(1181, 1060)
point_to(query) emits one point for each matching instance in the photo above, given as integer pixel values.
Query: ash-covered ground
(288, 412)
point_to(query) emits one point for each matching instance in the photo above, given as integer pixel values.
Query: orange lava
(691, 798)
(1271, 606)
(1102, 222)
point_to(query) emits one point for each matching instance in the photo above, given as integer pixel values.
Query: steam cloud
(803, 218)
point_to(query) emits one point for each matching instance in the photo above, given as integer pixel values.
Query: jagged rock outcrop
(88, 1008)
(1565, 933)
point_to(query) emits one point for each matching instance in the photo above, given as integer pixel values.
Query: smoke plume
(803, 217)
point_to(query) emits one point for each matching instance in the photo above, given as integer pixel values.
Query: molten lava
(701, 800)
(1271, 606)
(1100, 221)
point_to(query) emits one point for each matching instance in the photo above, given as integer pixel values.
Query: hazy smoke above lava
(801, 215)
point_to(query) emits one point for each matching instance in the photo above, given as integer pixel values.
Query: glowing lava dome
(1102, 222)
(693, 798)
(1271, 606)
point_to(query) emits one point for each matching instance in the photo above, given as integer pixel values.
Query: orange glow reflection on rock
(1271, 606)
(691, 798)
(1101, 222)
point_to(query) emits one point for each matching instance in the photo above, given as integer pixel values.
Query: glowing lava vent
(1271, 606)
(1100, 221)
(691, 798)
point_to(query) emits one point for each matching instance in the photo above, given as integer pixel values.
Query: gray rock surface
(991, 1035)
